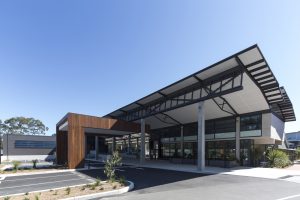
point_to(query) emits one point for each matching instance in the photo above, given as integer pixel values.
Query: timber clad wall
(61, 146)
(71, 144)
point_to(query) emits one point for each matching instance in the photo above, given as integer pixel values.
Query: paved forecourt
(168, 184)
(29, 183)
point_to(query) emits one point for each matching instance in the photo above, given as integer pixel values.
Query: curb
(85, 197)
(2, 178)
(104, 194)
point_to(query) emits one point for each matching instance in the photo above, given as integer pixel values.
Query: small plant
(55, 193)
(37, 197)
(82, 188)
(26, 193)
(26, 198)
(34, 163)
(122, 180)
(114, 187)
(111, 164)
(16, 165)
(6, 198)
(102, 188)
(98, 181)
(93, 187)
(51, 190)
(68, 190)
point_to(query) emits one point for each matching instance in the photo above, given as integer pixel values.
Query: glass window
(209, 129)
(251, 125)
(190, 132)
(165, 148)
(220, 150)
(35, 144)
(190, 150)
(225, 128)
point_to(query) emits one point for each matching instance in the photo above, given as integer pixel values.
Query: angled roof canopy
(224, 84)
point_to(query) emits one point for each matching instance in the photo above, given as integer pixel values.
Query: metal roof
(250, 61)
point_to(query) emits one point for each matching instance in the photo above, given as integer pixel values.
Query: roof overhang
(239, 84)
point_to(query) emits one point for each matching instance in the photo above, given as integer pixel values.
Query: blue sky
(93, 57)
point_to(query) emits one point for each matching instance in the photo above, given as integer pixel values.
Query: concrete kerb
(85, 197)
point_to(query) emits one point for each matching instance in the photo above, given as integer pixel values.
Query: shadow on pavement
(145, 177)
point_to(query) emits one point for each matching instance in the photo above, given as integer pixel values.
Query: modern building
(230, 111)
(293, 139)
(28, 147)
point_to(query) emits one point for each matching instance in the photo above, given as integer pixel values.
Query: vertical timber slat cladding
(72, 143)
(61, 146)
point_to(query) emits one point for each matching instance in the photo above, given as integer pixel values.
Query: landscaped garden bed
(63, 193)
(27, 167)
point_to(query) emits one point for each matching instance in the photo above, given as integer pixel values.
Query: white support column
(237, 138)
(113, 144)
(128, 144)
(201, 137)
(96, 147)
(181, 140)
(142, 153)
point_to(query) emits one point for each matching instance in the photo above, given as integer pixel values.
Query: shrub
(68, 190)
(26, 198)
(16, 165)
(111, 164)
(122, 180)
(34, 162)
(6, 198)
(37, 197)
(298, 153)
(278, 158)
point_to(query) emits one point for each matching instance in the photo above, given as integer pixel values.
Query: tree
(111, 164)
(0, 138)
(23, 126)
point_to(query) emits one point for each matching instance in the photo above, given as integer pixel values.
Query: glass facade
(220, 128)
(251, 125)
(247, 152)
(220, 145)
(179, 143)
(220, 150)
(90, 147)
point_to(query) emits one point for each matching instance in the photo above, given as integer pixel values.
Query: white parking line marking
(2, 188)
(38, 177)
(289, 197)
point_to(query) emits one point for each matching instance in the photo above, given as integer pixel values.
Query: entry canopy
(241, 83)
